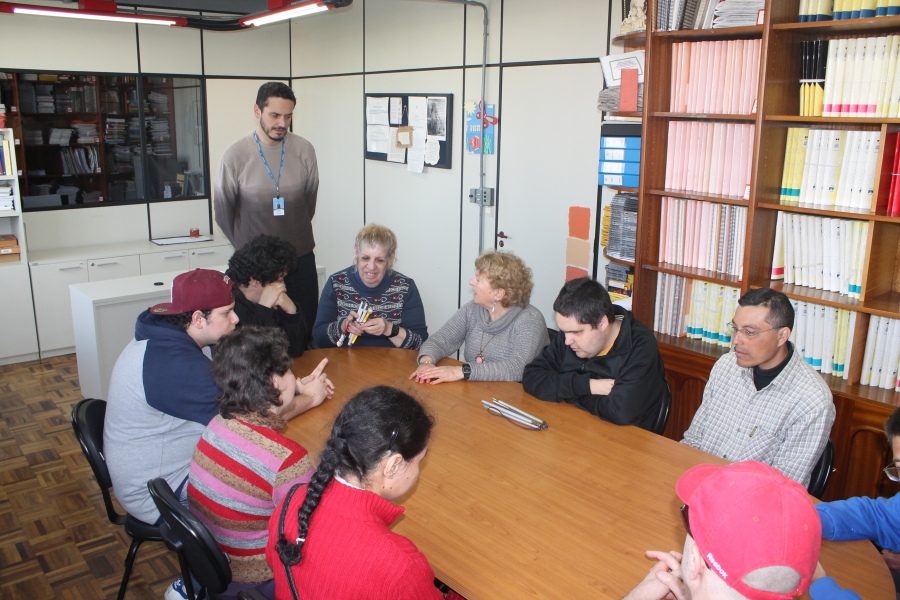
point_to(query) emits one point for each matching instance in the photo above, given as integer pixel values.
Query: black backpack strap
(284, 509)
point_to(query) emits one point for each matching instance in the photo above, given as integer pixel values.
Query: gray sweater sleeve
(448, 338)
(507, 355)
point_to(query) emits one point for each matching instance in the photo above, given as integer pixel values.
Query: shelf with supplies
(775, 168)
(636, 39)
(616, 259)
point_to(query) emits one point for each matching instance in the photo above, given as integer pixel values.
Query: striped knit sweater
(241, 470)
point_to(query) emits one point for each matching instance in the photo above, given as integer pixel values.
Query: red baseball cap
(747, 516)
(200, 289)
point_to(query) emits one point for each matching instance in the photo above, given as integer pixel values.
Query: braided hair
(374, 423)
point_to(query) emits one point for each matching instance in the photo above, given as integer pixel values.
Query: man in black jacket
(260, 296)
(602, 360)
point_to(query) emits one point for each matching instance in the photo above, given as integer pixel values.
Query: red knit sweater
(349, 552)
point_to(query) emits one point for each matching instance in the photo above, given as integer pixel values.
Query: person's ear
(255, 284)
(197, 319)
(500, 295)
(603, 324)
(393, 466)
(697, 567)
(257, 111)
(784, 334)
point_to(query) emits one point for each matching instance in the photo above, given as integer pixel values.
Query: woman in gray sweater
(501, 330)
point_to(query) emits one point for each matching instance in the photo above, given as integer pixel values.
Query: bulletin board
(437, 119)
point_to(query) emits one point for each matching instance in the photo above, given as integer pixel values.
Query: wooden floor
(55, 539)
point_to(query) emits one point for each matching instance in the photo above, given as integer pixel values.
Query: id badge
(278, 207)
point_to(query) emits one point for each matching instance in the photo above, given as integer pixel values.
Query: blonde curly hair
(374, 235)
(506, 271)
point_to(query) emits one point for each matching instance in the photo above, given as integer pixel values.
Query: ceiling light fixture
(280, 11)
(96, 10)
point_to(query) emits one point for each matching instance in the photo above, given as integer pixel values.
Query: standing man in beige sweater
(268, 181)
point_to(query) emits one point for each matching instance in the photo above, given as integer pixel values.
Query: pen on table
(519, 410)
(510, 414)
(754, 430)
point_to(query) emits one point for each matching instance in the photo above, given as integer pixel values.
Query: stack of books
(694, 308)
(821, 253)
(620, 155)
(33, 136)
(44, 98)
(716, 77)
(736, 13)
(159, 103)
(705, 14)
(86, 131)
(703, 235)
(622, 226)
(115, 131)
(60, 136)
(619, 279)
(882, 355)
(710, 158)
(63, 100)
(7, 198)
(830, 168)
(158, 135)
(861, 78)
(121, 160)
(823, 335)
(826, 10)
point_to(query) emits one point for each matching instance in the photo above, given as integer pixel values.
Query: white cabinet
(50, 284)
(16, 315)
(101, 269)
(163, 262)
(205, 258)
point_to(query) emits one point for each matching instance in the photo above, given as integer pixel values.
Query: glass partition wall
(90, 139)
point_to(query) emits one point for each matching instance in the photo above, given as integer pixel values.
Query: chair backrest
(87, 421)
(821, 473)
(552, 333)
(183, 533)
(662, 417)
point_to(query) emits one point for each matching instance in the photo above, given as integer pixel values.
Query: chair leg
(129, 563)
(186, 576)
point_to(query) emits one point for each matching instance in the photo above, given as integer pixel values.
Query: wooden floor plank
(55, 539)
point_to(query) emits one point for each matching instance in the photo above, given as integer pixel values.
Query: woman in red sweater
(330, 539)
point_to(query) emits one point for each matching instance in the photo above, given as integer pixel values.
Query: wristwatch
(467, 371)
(395, 329)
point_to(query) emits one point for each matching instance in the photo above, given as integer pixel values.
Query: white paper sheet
(415, 160)
(403, 136)
(418, 111)
(396, 111)
(432, 150)
(419, 137)
(376, 111)
(395, 154)
(377, 138)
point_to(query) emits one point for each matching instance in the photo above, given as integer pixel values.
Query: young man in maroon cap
(162, 395)
(751, 533)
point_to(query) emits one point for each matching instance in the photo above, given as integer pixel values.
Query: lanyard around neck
(277, 182)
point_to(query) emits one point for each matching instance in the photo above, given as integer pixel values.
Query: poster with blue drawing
(480, 128)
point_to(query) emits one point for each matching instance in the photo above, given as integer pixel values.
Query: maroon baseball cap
(748, 516)
(200, 289)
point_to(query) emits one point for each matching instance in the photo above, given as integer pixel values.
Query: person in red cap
(751, 533)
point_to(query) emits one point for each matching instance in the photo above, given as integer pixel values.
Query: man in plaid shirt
(763, 401)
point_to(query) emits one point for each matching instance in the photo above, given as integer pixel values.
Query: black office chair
(198, 552)
(87, 421)
(821, 473)
(662, 418)
(552, 333)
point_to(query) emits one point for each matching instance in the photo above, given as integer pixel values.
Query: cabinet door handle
(70, 268)
(105, 264)
(203, 253)
(173, 256)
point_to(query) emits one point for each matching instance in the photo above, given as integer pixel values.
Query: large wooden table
(567, 512)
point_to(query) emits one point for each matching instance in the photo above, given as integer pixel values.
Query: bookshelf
(134, 156)
(861, 409)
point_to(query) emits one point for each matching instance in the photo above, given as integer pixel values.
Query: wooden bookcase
(861, 450)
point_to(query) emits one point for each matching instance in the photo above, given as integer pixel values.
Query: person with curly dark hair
(242, 466)
(260, 296)
(371, 460)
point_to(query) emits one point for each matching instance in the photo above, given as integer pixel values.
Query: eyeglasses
(748, 333)
(893, 472)
(687, 527)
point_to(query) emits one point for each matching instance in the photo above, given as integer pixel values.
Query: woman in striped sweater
(242, 466)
